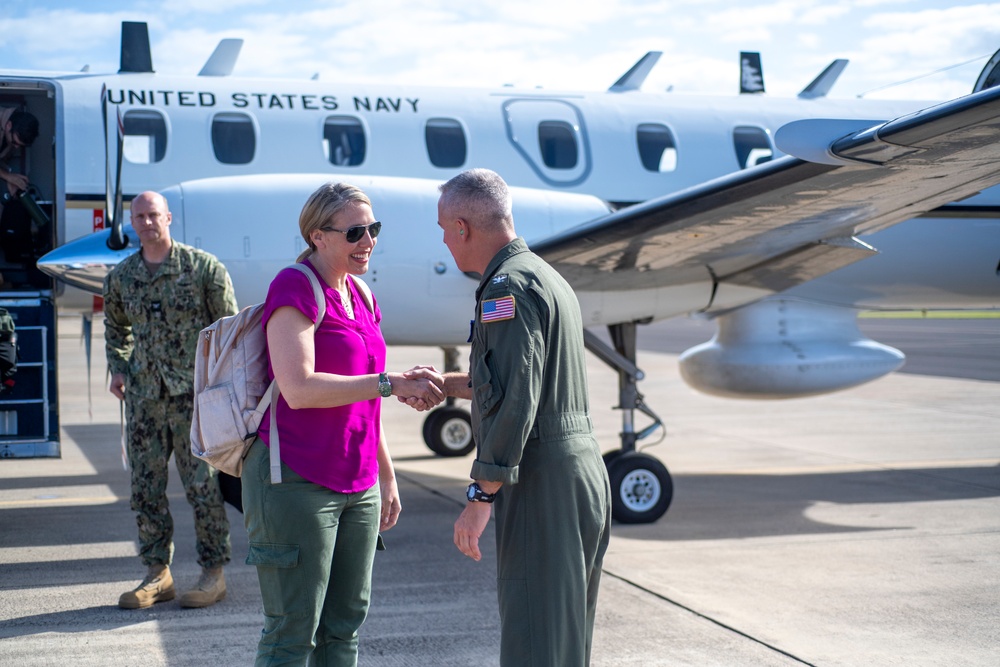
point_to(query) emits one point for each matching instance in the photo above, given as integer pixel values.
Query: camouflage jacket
(151, 323)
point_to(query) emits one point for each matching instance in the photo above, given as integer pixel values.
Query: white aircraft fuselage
(500, 127)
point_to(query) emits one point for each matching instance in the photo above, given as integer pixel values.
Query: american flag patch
(495, 310)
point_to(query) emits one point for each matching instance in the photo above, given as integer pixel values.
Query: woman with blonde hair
(313, 536)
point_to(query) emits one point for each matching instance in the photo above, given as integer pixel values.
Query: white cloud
(554, 43)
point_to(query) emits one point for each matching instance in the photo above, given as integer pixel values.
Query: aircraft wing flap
(739, 224)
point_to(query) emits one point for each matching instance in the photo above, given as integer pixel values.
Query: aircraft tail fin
(223, 59)
(136, 56)
(751, 73)
(822, 84)
(990, 76)
(633, 79)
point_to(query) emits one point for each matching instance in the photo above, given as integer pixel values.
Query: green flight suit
(530, 415)
(151, 330)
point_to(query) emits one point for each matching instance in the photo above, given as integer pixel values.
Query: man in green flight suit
(156, 302)
(536, 451)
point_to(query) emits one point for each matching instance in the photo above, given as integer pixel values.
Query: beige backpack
(231, 391)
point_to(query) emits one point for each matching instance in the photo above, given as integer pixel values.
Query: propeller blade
(118, 240)
(108, 212)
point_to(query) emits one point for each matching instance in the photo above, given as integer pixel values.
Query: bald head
(151, 221)
(149, 199)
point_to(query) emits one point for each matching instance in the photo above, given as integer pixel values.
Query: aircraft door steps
(29, 418)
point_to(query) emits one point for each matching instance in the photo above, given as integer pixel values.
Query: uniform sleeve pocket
(485, 386)
(273, 555)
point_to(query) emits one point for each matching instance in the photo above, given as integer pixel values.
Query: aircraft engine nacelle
(777, 348)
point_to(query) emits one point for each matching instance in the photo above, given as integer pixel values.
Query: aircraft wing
(794, 218)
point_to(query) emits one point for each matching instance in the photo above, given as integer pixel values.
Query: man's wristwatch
(384, 386)
(475, 494)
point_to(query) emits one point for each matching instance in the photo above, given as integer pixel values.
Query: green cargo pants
(313, 549)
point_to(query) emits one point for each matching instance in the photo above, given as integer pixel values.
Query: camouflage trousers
(158, 428)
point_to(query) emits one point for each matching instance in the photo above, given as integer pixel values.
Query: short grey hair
(479, 194)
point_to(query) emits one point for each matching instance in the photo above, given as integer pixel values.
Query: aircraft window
(557, 142)
(657, 148)
(344, 141)
(145, 139)
(233, 138)
(446, 145)
(752, 145)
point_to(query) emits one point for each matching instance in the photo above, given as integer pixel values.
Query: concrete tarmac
(859, 528)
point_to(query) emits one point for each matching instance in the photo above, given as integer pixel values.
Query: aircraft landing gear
(448, 429)
(641, 487)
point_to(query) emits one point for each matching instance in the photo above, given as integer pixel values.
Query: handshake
(421, 387)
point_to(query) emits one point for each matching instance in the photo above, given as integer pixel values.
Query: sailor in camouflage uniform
(536, 451)
(155, 304)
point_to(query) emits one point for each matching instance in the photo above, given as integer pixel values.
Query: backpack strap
(272, 394)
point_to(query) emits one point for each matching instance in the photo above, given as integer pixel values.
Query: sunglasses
(355, 234)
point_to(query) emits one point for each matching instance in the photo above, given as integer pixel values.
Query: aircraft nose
(85, 262)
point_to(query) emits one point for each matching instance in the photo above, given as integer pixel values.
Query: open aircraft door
(29, 408)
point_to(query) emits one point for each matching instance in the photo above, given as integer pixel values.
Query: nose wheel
(448, 431)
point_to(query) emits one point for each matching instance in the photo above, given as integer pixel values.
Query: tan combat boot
(158, 586)
(211, 588)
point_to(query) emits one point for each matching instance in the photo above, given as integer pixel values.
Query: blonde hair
(323, 205)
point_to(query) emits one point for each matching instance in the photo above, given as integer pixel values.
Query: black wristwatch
(384, 386)
(475, 494)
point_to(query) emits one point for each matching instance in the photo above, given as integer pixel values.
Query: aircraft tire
(610, 457)
(448, 431)
(641, 488)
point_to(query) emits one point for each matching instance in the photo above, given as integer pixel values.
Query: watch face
(475, 493)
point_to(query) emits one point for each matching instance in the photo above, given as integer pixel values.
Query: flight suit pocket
(485, 386)
(263, 554)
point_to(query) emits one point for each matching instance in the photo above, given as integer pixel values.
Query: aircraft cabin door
(551, 136)
(29, 402)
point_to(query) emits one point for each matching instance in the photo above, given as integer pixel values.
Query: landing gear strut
(641, 487)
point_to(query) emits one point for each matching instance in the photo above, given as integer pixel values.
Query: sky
(900, 49)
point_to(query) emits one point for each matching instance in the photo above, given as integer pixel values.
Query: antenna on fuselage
(136, 57)
(751, 73)
(634, 78)
(223, 59)
(822, 84)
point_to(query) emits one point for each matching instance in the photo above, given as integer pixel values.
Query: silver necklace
(345, 301)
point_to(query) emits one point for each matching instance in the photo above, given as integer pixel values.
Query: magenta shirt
(334, 447)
